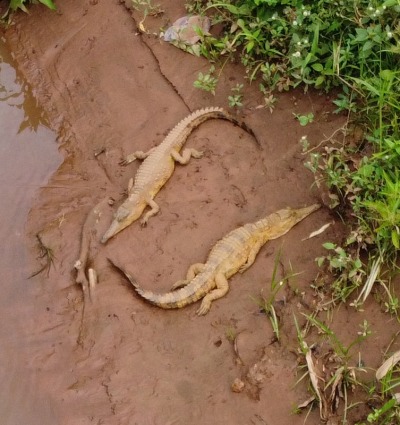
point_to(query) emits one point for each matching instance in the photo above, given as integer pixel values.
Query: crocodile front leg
(222, 288)
(136, 155)
(186, 155)
(154, 210)
(193, 270)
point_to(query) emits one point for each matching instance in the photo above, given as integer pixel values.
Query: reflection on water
(15, 92)
(28, 156)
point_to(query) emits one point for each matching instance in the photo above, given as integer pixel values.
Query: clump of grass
(207, 82)
(329, 366)
(267, 304)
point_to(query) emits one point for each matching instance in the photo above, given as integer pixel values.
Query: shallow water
(28, 156)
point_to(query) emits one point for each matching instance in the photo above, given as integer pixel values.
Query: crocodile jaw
(126, 214)
(115, 228)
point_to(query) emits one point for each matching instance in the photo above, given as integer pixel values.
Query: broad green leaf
(49, 4)
(395, 239)
(329, 245)
(317, 66)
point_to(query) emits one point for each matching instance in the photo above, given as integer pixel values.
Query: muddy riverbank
(109, 90)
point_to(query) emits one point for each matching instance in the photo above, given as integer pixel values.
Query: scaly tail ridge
(173, 299)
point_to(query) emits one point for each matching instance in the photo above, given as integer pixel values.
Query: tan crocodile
(234, 253)
(158, 166)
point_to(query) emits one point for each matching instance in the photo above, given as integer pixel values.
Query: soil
(108, 90)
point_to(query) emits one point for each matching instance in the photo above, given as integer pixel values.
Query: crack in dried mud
(148, 47)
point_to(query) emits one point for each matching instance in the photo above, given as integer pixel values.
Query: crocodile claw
(124, 162)
(204, 308)
(127, 160)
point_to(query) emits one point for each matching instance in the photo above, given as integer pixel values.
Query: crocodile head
(126, 214)
(283, 220)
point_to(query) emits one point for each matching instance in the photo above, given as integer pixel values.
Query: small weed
(332, 375)
(269, 99)
(207, 82)
(388, 376)
(388, 414)
(304, 119)
(391, 304)
(347, 269)
(231, 334)
(235, 99)
(147, 7)
(341, 350)
(267, 304)
(46, 253)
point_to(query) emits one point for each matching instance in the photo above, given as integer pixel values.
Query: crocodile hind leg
(193, 270)
(222, 288)
(136, 155)
(186, 155)
(153, 211)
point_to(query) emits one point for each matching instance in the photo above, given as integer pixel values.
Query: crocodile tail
(144, 294)
(220, 113)
(168, 300)
(242, 125)
(192, 121)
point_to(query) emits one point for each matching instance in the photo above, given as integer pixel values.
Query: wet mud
(110, 90)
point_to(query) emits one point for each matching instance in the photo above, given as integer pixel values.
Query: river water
(28, 156)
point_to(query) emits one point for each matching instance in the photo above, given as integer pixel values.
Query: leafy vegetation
(14, 5)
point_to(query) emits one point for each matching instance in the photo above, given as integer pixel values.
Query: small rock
(237, 386)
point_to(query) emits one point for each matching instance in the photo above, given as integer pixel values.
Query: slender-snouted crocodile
(158, 166)
(234, 253)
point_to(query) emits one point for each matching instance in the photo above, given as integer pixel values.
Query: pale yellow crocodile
(158, 166)
(234, 253)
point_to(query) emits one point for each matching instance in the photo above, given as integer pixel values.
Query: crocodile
(158, 166)
(236, 252)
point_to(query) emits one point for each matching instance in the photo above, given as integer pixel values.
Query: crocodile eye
(122, 214)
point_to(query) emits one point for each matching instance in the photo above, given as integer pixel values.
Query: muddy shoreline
(109, 90)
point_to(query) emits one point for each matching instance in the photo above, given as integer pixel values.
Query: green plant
(304, 119)
(332, 376)
(385, 414)
(343, 351)
(14, 5)
(231, 334)
(267, 304)
(235, 99)
(207, 82)
(289, 42)
(347, 269)
(147, 7)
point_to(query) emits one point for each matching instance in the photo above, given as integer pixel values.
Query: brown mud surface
(109, 90)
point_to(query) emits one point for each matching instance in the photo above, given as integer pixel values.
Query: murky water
(28, 156)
